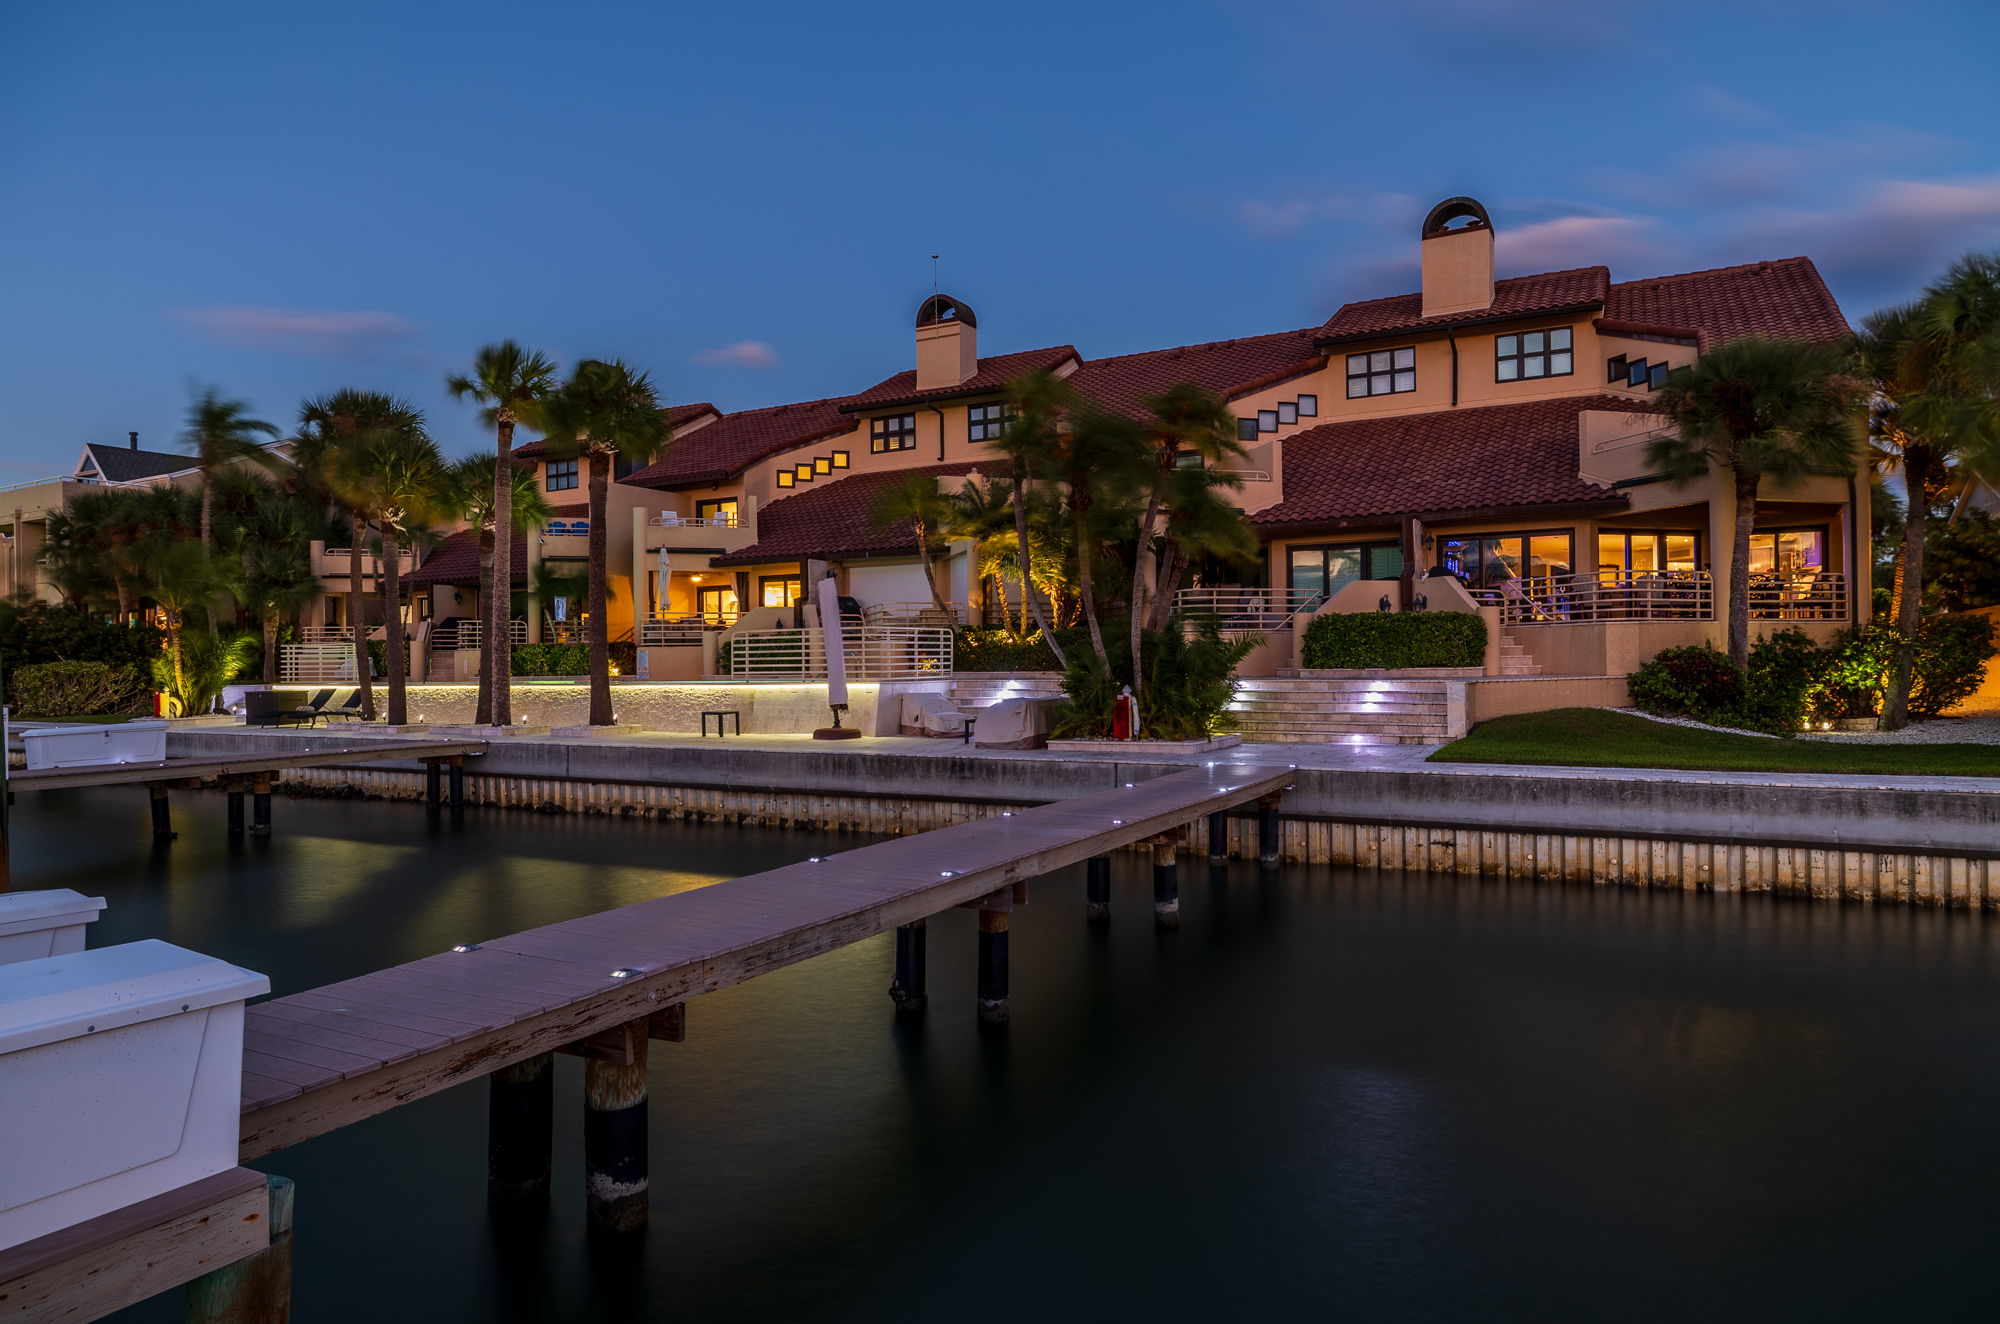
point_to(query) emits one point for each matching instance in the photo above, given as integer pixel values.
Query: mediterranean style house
(1494, 428)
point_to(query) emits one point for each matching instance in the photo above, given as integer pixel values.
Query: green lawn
(1592, 737)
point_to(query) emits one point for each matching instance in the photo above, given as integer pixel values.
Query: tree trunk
(1032, 603)
(1171, 570)
(207, 537)
(392, 625)
(357, 619)
(124, 599)
(1739, 567)
(483, 712)
(1142, 570)
(270, 646)
(1000, 588)
(1909, 605)
(174, 655)
(930, 568)
(600, 636)
(496, 664)
(1087, 590)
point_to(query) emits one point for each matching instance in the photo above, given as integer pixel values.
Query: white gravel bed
(1690, 722)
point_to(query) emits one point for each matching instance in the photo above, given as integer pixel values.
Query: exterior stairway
(1516, 660)
(1314, 710)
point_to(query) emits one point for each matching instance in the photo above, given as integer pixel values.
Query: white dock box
(121, 1071)
(38, 924)
(86, 746)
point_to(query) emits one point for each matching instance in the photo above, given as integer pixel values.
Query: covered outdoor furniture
(1015, 724)
(274, 707)
(930, 713)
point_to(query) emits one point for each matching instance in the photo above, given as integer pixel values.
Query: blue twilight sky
(743, 198)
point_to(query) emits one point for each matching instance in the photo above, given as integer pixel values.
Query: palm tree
(606, 411)
(1768, 411)
(1041, 403)
(917, 498)
(333, 429)
(983, 514)
(393, 478)
(469, 493)
(220, 431)
(1200, 524)
(510, 382)
(1183, 420)
(182, 576)
(1099, 465)
(278, 575)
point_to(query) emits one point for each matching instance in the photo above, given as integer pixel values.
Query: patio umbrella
(660, 584)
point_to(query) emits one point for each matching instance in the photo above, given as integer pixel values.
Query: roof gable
(835, 521)
(1784, 299)
(122, 464)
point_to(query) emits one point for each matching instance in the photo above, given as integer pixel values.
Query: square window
(1635, 373)
(1380, 362)
(987, 422)
(1356, 363)
(1379, 372)
(1246, 429)
(1288, 412)
(1380, 384)
(1658, 376)
(804, 472)
(785, 478)
(1267, 420)
(561, 475)
(1357, 387)
(898, 432)
(1614, 368)
(1308, 406)
(1525, 355)
(822, 465)
(840, 459)
(1406, 358)
(1405, 381)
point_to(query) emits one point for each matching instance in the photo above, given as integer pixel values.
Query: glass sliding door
(1488, 560)
(1317, 573)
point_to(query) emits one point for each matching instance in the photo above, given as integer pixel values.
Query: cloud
(742, 354)
(1294, 208)
(1893, 236)
(1721, 104)
(322, 333)
(1622, 243)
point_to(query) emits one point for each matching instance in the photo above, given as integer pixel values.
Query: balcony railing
(1606, 595)
(1809, 596)
(884, 652)
(321, 662)
(681, 629)
(669, 520)
(1246, 609)
(465, 632)
(914, 613)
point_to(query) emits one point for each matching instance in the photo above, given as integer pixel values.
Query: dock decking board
(522, 994)
(367, 749)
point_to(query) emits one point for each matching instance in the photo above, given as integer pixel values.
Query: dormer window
(1533, 354)
(897, 432)
(987, 422)
(1383, 372)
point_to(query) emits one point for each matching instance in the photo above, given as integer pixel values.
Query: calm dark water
(1331, 1093)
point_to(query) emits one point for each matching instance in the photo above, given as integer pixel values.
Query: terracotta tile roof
(1226, 367)
(122, 464)
(1785, 298)
(994, 373)
(455, 560)
(1517, 296)
(834, 521)
(677, 416)
(1488, 459)
(734, 442)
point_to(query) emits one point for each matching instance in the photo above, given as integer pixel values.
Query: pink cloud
(742, 354)
(320, 332)
(1619, 242)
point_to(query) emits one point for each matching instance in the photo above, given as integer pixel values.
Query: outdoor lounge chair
(343, 705)
(312, 709)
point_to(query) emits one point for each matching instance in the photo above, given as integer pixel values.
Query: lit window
(1383, 372)
(780, 590)
(1188, 460)
(898, 432)
(720, 511)
(786, 478)
(804, 471)
(822, 465)
(987, 422)
(1532, 354)
(561, 475)
(840, 459)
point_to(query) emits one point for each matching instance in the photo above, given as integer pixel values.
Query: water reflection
(1379, 1096)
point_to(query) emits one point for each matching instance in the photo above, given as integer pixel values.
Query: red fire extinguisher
(1124, 715)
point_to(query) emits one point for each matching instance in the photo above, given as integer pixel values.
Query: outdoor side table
(721, 715)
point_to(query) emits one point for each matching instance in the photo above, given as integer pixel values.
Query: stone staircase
(1315, 710)
(1516, 660)
(972, 692)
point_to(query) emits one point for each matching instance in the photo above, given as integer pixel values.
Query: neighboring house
(1494, 428)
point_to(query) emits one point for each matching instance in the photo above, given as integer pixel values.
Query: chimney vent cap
(941, 308)
(1456, 209)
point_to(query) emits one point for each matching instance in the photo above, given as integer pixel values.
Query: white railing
(913, 613)
(1809, 596)
(669, 520)
(43, 482)
(680, 629)
(1249, 475)
(329, 663)
(467, 632)
(1606, 595)
(1246, 609)
(323, 634)
(882, 652)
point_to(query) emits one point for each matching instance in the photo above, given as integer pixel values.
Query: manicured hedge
(1000, 650)
(551, 659)
(54, 690)
(1390, 640)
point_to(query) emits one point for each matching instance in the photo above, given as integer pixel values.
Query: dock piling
(520, 1125)
(1218, 837)
(163, 815)
(614, 1137)
(993, 967)
(1097, 888)
(907, 988)
(235, 810)
(260, 805)
(256, 1289)
(1267, 831)
(1166, 886)
(433, 786)
(457, 790)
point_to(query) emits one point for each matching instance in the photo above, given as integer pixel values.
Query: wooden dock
(364, 749)
(322, 1059)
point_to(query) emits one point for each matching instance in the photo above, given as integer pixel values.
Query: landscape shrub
(551, 659)
(1693, 680)
(1785, 672)
(1952, 654)
(1000, 650)
(1852, 678)
(54, 690)
(1190, 678)
(39, 632)
(207, 662)
(1390, 640)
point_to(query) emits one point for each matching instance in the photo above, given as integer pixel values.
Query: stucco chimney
(135, 440)
(947, 343)
(1457, 258)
